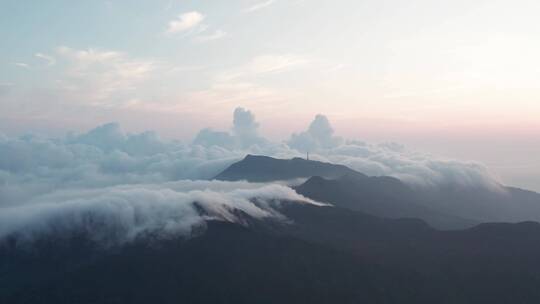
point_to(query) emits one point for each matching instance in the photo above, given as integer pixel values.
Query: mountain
(323, 255)
(381, 196)
(444, 207)
(343, 253)
(337, 184)
(255, 168)
(505, 204)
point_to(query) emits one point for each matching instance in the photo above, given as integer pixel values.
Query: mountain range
(444, 207)
(380, 241)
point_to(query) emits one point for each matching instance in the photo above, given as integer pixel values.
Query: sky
(458, 79)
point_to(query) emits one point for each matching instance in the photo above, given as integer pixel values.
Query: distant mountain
(381, 196)
(323, 255)
(337, 184)
(444, 207)
(255, 168)
(506, 204)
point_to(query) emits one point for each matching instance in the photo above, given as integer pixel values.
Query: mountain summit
(256, 168)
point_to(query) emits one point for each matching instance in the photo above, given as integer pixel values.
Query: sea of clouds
(119, 214)
(140, 183)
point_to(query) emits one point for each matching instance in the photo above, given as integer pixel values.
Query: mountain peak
(259, 168)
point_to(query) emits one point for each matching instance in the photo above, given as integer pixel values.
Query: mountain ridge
(444, 207)
(259, 168)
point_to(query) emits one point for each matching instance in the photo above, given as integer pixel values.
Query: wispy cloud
(239, 85)
(22, 65)
(264, 64)
(184, 22)
(50, 60)
(216, 35)
(102, 76)
(258, 6)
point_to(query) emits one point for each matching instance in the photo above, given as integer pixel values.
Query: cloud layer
(126, 185)
(107, 156)
(114, 215)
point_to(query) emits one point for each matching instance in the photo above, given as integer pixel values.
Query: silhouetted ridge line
(257, 168)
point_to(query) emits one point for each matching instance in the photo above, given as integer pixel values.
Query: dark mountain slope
(381, 196)
(264, 169)
(490, 263)
(227, 264)
(328, 255)
(443, 206)
(506, 204)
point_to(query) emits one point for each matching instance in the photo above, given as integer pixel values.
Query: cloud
(106, 156)
(244, 133)
(184, 22)
(22, 65)
(208, 138)
(216, 35)
(390, 159)
(264, 64)
(102, 76)
(245, 127)
(258, 6)
(318, 136)
(50, 60)
(124, 186)
(245, 83)
(114, 215)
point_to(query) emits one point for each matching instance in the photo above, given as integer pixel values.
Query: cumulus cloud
(184, 22)
(319, 135)
(105, 156)
(245, 127)
(244, 133)
(114, 215)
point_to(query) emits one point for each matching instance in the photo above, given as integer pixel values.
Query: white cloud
(185, 22)
(264, 64)
(319, 135)
(114, 215)
(22, 65)
(102, 76)
(244, 133)
(241, 84)
(216, 35)
(258, 6)
(390, 159)
(50, 60)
